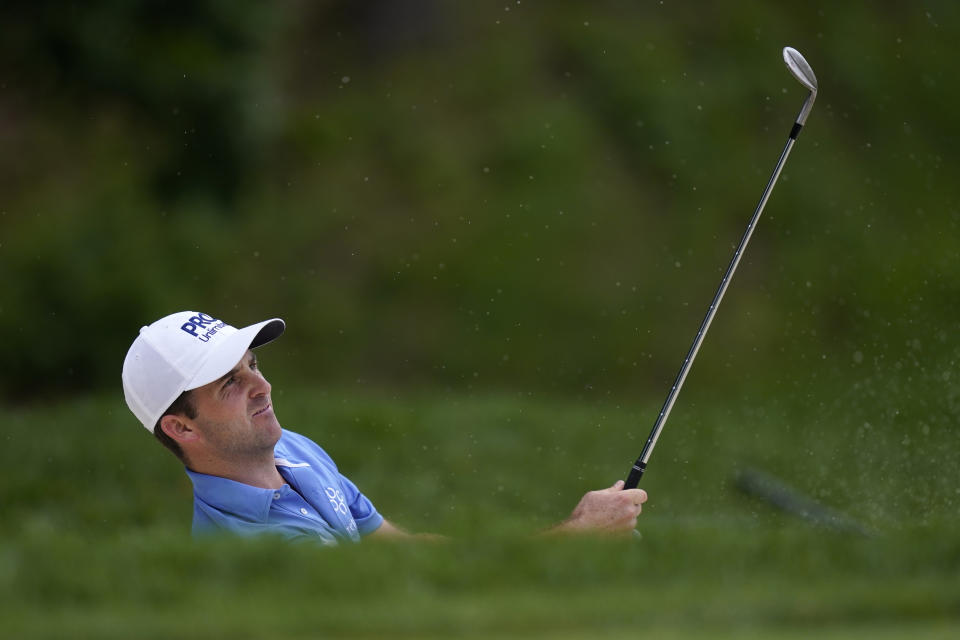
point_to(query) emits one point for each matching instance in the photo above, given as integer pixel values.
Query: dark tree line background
(537, 196)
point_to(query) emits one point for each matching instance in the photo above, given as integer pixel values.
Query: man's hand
(611, 510)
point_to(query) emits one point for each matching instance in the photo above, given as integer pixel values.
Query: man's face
(234, 414)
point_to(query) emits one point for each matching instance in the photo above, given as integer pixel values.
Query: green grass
(96, 514)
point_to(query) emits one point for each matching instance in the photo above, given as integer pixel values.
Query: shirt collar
(243, 500)
(286, 456)
(230, 496)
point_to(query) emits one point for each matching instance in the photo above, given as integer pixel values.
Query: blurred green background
(493, 230)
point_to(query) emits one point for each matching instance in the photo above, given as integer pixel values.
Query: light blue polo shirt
(317, 502)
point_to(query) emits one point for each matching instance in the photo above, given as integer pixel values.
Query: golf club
(800, 70)
(779, 494)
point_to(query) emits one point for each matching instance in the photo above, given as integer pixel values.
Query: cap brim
(231, 350)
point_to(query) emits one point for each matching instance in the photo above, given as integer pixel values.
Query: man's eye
(230, 381)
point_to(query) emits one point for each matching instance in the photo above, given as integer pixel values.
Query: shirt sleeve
(367, 517)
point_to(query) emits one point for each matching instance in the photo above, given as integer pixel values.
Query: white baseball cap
(184, 351)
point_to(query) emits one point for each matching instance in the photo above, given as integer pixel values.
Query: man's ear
(178, 428)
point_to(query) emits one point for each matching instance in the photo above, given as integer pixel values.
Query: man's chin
(272, 427)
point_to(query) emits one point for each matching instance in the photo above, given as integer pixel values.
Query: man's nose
(260, 386)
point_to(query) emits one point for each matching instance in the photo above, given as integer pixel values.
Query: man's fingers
(639, 496)
(632, 497)
(635, 498)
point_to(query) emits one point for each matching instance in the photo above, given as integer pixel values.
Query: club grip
(633, 479)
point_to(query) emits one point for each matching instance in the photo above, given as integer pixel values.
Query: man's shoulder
(288, 436)
(296, 447)
(293, 439)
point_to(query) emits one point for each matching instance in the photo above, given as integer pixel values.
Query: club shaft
(636, 472)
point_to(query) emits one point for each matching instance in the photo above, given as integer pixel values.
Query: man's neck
(261, 472)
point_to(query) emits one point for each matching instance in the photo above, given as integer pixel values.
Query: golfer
(193, 381)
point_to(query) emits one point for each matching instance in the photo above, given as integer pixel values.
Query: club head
(800, 68)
